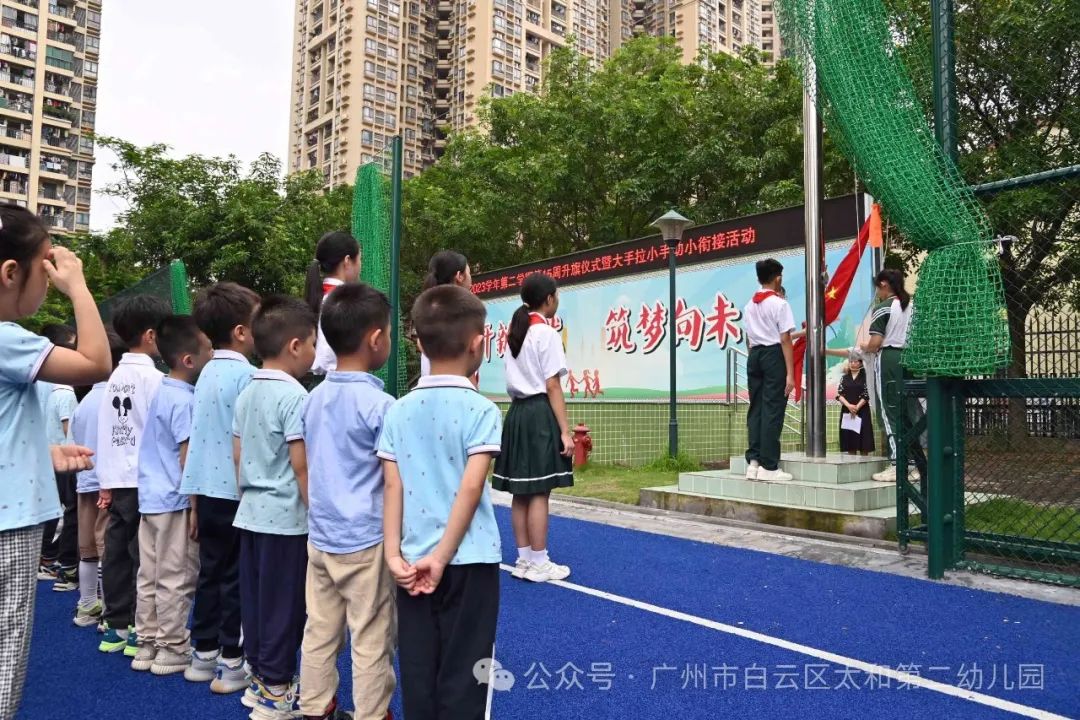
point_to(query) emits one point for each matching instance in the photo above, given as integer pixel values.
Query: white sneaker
(886, 475)
(752, 471)
(144, 658)
(547, 571)
(228, 679)
(202, 667)
(776, 474)
(520, 568)
(168, 662)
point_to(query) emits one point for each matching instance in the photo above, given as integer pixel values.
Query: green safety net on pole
(869, 105)
(372, 227)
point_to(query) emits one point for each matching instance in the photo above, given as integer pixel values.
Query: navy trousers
(216, 621)
(273, 569)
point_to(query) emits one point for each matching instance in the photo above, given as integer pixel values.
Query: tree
(1018, 79)
(250, 227)
(602, 151)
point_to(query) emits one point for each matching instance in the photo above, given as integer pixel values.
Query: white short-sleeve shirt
(325, 358)
(122, 420)
(766, 321)
(541, 357)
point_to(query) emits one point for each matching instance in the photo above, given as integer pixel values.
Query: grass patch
(1009, 516)
(618, 484)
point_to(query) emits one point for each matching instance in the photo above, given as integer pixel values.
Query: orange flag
(875, 226)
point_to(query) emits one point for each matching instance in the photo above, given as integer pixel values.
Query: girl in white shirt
(337, 261)
(446, 267)
(536, 442)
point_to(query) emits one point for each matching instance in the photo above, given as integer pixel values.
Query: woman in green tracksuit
(888, 336)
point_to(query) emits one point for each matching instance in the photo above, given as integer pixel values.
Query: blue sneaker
(253, 695)
(111, 642)
(132, 647)
(286, 703)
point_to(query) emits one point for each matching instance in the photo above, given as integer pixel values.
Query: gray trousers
(19, 550)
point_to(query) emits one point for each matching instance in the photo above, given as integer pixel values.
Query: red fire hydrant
(582, 444)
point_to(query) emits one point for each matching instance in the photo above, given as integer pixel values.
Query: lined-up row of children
(204, 476)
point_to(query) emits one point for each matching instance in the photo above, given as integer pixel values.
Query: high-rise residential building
(48, 98)
(366, 70)
(770, 32)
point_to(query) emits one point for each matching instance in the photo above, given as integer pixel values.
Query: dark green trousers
(766, 374)
(895, 404)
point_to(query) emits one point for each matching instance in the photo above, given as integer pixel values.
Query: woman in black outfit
(852, 394)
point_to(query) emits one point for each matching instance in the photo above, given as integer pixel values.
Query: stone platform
(831, 494)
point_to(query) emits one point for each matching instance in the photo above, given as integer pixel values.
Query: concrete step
(833, 469)
(842, 497)
(877, 523)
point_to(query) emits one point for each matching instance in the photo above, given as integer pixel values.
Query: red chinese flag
(836, 293)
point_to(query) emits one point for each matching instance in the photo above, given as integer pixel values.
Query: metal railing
(737, 382)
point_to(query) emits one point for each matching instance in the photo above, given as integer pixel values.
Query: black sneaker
(48, 570)
(66, 580)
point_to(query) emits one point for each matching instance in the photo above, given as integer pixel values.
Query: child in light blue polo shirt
(440, 537)
(272, 471)
(348, 582)
(28, 265)
(168, 555)
(223, 312)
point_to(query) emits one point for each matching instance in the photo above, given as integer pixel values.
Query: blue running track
(648, 626)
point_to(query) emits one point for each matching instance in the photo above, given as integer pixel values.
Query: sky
(202, 76)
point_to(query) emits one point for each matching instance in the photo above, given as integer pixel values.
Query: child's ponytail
(535, 291)
(331, 251)
(313, 293)
(895, 280)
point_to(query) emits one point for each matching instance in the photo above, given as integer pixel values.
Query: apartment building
(366, 70)
(48, 97)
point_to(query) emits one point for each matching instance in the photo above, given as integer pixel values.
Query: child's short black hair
(59, 335)
(768, 270)
(117, 346)
(136, 314)
(278, 321)
(349, 312)
(177, 336)
(447, 318)
(221, 307)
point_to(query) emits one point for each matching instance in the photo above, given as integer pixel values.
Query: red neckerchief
(537, 319)
(762, 295)
(327, 288)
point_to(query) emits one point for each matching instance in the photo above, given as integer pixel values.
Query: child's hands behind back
(404, 574)
(429, 572)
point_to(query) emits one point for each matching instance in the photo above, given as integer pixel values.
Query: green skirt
(531, 461)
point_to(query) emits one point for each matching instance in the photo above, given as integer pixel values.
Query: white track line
(868, 668)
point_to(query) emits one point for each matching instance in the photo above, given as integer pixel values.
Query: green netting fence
(373, 224)
(870, 107)
(169, 283)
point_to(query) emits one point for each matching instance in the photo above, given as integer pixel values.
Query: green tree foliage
(602, 151)
(1018, 80)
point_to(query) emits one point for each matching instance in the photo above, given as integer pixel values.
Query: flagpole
(815, 269)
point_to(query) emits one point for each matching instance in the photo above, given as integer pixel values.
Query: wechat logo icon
(490, 670)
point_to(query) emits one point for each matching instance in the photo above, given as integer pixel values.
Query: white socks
(536, 557)
(88, 582)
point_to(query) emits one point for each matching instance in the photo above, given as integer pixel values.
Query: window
(65, 59)
(82, 218)
(365, 137)
(93, 42)
(411, 72)
(93, 19)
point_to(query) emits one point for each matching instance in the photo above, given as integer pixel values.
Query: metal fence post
(941, 467)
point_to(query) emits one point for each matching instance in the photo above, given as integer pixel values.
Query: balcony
(60, 112)
(17, 48)
(55, 165)
(59, 220)
(16, 78)
(12, 185)
(22, 22)
(16, 105)
(60, 36)
(61, 11)
(56, 139)
(14, 160)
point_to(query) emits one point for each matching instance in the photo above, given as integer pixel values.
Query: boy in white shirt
(768, 323)
(121, 421)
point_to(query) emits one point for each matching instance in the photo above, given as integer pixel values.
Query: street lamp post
(671, 226)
